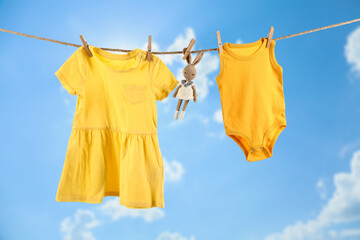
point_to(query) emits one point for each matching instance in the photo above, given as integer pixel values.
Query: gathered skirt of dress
(107, 162)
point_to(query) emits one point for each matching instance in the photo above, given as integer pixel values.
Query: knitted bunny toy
(186, 90)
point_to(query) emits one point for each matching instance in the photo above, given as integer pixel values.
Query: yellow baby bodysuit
(250, 84)
(113, 149)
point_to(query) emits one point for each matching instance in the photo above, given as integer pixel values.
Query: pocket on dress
(134, 93)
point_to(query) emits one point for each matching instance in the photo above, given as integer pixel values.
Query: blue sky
(309, 189)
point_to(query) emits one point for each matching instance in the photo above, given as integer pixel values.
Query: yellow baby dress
(113, 149)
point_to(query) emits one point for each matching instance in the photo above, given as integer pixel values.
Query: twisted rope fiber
(177, 52)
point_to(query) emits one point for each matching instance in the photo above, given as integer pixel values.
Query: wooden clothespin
(86, 45)
(188, 49)
(149, 49)
(269, 37)
(219, 41)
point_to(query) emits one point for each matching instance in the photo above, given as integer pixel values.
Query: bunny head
(189, 71)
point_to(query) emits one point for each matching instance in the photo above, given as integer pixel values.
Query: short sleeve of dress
(163, 81)
(72, 73)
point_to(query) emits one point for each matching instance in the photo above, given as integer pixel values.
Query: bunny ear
(188, 58)
(198, 58)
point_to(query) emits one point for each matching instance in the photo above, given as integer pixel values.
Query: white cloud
(208, 65)
(320, 185)
(343, 207)
(173, 236)
(350, 233)
(116, 211)
(352, 50)
(348, 148)
(238, 41)
(346, 233)
(179, 43)
(173, 171)
(79, 227)
(218, 116)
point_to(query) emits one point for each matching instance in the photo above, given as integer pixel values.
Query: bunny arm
(194, 93)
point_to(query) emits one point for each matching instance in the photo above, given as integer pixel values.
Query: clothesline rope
(177, 52)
